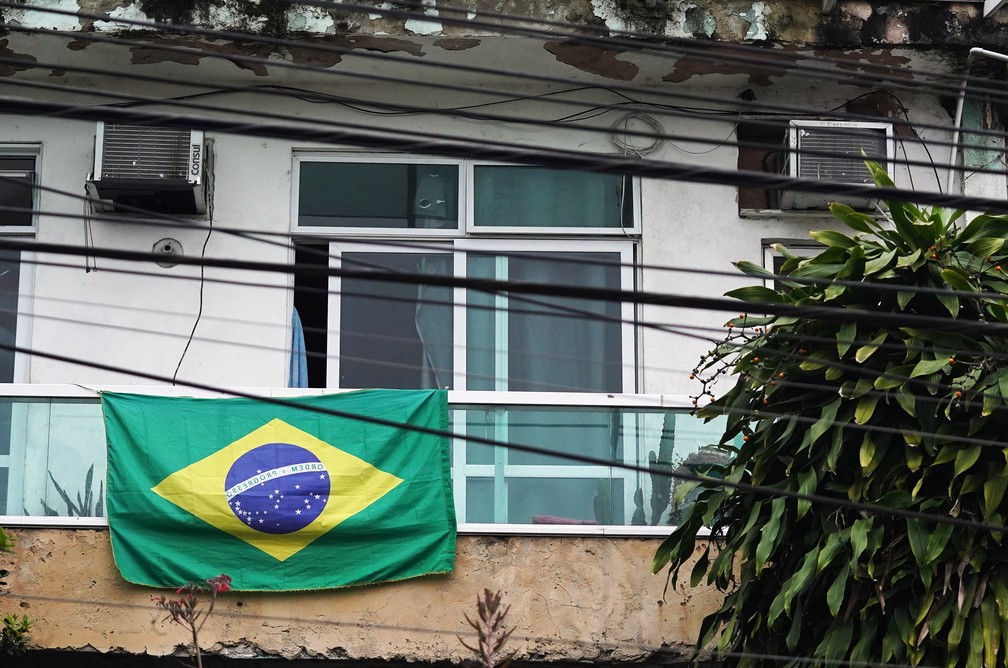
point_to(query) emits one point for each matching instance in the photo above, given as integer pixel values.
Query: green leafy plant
(186, 610)
(14, 634)
(86, 504)
(491, 631)
(894, 397)
(6, 547)
(6, 542)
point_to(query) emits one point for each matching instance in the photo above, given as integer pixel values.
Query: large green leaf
(845, 337)
(756, 294)
(753, 269)
(832, 238)
(966, 457)
(958, 279)
(986, 246)
(950, 301)
(867, 350)
(836, 591)
(865, 408)
(928, 367)
(769, 534)
(853, 219)
(879, 263)
(994, 491)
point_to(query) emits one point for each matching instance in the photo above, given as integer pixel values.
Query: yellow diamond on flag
(277, 488)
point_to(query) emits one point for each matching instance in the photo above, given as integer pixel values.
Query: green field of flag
(279, 497)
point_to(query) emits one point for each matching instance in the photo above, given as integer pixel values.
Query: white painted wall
(142, 322)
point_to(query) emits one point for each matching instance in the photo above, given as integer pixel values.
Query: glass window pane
(57, 457)
(378, 195)
(593, 432)
(10, 277)
(479, 500)
(545, 344)
(395, 335)
(508, 196)
(507, 485)
(547, 501)
(16, 189)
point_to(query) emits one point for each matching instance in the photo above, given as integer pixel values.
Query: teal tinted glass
(524, 345)
(378, 195)
(508, 196)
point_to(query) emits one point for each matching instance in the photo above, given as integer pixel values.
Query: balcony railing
(52, 458)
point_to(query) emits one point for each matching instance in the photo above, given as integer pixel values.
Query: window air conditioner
(157, 169)
(832, 151)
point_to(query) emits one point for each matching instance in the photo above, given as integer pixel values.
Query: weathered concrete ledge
(571, 598)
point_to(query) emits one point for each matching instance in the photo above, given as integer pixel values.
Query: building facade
(415, 139)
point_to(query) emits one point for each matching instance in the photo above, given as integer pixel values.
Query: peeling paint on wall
(422, 27)
(40, 18)
(593, 59)
(606, 10)
(129, 12)
(312, 20)
(456, 43)
(152, 54)
(6, 69)
(756, 17)
(698, 21)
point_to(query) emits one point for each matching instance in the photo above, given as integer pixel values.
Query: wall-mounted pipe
(975, 52)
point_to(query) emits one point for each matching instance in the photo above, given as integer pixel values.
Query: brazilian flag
(279, 497)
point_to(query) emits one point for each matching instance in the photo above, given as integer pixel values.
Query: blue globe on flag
(277, 488)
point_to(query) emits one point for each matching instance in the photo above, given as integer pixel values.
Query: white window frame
(26, 277)
(459, 249)
(643, 402)
(470, 212)
(300, 157)
(466, 204)
(620, 241)
(803, 248)
(18, 150)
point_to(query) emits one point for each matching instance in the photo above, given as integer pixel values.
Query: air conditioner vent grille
(141, 152)
(835, 154)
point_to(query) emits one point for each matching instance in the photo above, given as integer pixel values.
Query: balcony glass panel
(52, 460)
(511, 486)
(56, 461)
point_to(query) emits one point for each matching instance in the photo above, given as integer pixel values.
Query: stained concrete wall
(849, 23)
(573, 598)
(581, 599)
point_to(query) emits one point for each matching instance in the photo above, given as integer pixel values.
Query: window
(831, 151)
(547, 226)
(457, 221)
(57, 462)
(17, 178)
(18, 196)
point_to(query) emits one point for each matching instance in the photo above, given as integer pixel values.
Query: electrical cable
(657, 135)
(827, 387)
(446, 281)
(158, 220)
(710, 51)
(202, 266)
(856, 370)
(818, 499)
(718, 52)
(544, 289)
(383, 57)
(446, 145)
